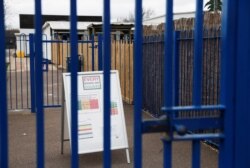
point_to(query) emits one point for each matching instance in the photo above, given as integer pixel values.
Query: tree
(146, 13)
(214, 5)
(130, 18)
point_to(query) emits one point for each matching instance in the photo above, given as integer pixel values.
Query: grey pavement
(22, 145)
(22, 130)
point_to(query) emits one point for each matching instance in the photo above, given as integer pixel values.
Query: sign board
(90, 111)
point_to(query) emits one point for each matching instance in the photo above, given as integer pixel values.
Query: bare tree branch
(146, 13)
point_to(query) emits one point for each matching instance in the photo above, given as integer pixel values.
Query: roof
(65, 25)
(115, 26)
(27, 20)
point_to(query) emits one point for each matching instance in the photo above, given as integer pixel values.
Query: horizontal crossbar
(61, 41)
(209, 136)
(194, 108)
(193, 124)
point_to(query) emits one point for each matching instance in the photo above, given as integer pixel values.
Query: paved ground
(22, 131)
(22, 146)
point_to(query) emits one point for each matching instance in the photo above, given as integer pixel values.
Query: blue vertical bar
(27, 76)
(167, 145)
(228, 81)
(100, 56)
(138, 85)
(242, 90)
(39, 85)
(198, 44)
(197, 84)
(87, 58)
(93, 51)
(168, 56)
(176, 67)
(10, 87)
(74, 68)
(168, 74)
(16, 79)
(196, 154)
(47, 76)
(106, 119)
(32, 74)
(21, 72)
(3, 97)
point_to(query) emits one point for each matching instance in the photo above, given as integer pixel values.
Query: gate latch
(163, 124)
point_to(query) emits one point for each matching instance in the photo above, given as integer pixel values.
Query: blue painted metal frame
(93, 51)
(74, 85)
(32, 74)
(100, 56)
(138, 85)
(39, 85)
(242, 101)
(171, 107)
(168, 100)
(3, 97)
(198, 43)
(168, 56)
(45, 64)
(106, 95)
(176, 67)
(234, 98)
(18, 78)
(228, 82)
(197, 81)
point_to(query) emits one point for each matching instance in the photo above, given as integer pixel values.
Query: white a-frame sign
(90, 112)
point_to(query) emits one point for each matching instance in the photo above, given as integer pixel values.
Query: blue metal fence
(138, 85)
(171, 122)
(56, 60)
(18, 76)
(153, 52)
(233, 121)
(3, 97)
(60, 61)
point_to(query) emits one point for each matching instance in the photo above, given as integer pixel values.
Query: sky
(119, 8)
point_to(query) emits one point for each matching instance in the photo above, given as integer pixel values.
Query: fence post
(100, 57)
(39, 86)
(228, 81)
(167, 79)
(73, 84)
(242, 101)
(138, 85)
(32, 74)
(176, 67)
(3, 97)
(93, 51)
(106, 86)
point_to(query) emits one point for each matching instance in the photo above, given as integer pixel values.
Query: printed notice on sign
(89, 103)
(91, 82)
(90, 112)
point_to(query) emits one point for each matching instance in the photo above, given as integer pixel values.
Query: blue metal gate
(18, 73)
(177, 128)
(233, 121)
(56, 60)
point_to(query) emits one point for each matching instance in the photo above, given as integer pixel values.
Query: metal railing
(183, 46)
(233, 122)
